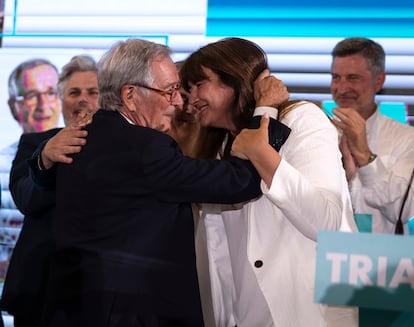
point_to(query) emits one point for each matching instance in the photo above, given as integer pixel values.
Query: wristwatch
(371, 158)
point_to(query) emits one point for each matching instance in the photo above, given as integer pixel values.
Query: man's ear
(379, 81)
(13, 109)
(127, 96)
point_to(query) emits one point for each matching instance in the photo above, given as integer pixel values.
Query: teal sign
(374, 272)
(363, 222)
(394, 110)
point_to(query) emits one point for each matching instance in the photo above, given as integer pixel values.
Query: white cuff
(260, 111)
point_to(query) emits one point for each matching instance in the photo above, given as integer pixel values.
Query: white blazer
(309, 193)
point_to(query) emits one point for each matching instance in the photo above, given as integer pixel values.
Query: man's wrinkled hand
(59, 148)
(248, 141)
(86, 119)
(269, 91)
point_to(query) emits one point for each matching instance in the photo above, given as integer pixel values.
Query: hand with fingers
(253, 144)
(352, 125)
(249, 142)
(85, 118)
(59, 148)
(348, 160)
(269, 91)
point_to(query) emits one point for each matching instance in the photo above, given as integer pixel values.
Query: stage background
(297, 35)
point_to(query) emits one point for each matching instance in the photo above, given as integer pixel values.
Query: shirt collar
(127, 119)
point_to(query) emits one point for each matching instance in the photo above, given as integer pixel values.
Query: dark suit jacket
(125, 227)
(278, 132)
(23, 292)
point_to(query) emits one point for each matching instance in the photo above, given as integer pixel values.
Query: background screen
(297, 35)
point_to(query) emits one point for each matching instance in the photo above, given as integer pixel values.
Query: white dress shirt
(379, 187)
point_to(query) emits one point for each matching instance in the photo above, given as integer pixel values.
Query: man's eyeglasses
(169, 94)
(32, 98)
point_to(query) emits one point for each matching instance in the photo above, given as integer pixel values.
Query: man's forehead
(41, 74)
(164, 71)
(86, 79)
(350, 65)
(40, 69)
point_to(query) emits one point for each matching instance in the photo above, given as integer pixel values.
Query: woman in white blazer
(261, 254)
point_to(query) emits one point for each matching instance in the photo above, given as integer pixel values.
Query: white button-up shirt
(378, 188)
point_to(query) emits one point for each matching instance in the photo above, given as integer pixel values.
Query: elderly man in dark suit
(125, 240)
(24, 288)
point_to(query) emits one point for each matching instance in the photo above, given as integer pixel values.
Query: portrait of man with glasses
(35, 105)
(33, 97)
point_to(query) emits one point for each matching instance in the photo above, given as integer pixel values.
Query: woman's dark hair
(237, 62)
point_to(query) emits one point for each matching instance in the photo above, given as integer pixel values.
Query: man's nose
(177, 99)
(341, 85)
(84, 96)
